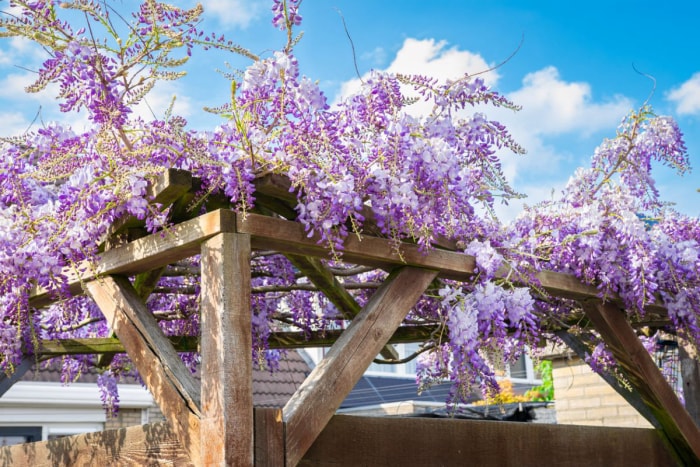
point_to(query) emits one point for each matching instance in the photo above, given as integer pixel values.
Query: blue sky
(574, 73)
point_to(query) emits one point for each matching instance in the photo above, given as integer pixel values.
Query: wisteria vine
(363, 165)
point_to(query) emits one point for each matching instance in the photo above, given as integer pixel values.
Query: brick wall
(126, 417)
(584, 398)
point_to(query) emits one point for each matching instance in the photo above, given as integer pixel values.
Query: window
(10, 435)
(405, 369)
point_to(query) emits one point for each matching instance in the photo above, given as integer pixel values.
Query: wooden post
(690, 373)
(169, 381)
(226, 350)
(317, 399)
(269, 437)
(646, 378)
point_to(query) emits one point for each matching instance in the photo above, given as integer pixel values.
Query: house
(39, 407)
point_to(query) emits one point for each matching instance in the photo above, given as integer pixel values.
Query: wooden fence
(372, 441)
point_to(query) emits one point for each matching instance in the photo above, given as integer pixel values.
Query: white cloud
(20, 51)
(12, 87)
(13, 123)
(553, 106)
(377, 56)
(234, 13)
(432, 58)
(687, 96)
(158, 100)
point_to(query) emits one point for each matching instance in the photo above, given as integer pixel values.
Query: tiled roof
(375, 390)
(270, 389)
(273, 389)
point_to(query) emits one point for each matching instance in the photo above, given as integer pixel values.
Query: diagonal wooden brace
(172, 385)
(675, 422)
(317, 399)
(334, 291)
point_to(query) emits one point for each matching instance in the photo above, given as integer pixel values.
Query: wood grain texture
(690, 375)
(101, 345)
(147, 253)
(645, 377)
(227, 368)
(317, 399)
(278, 340)
(153, 444)
(290, 237)
(269, 437)
(171, 384)
(165, 190)
(399, 441)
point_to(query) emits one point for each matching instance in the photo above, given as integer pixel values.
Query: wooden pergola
(214, 423)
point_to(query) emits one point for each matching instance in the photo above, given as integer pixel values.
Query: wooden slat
(165, 375)
(313, 404)
(153, 444)
(568, 286)
(646, 378)
(326, 282)
(101, 345)
(372, 441)
(147, 253)
(690, 375)
(227, 426)
(269, 437)
(278, 340)
(289, 237)
(351, 440)
(144, 284)
(164, 190)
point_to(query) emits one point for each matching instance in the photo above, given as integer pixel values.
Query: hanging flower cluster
(365, 164)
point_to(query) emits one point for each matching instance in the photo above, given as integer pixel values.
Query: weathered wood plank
(153, 444)
(227, 426)
(171, 384)
(412, 441)
(278, 340)
(376, 441)
(690, 374)
(164, 190)
(144, 284)
(147, 253)
(269, 437)
(101, 345)
(327, 283)
(310, 408)
(568, 286)
(289, 237)
(675, 422)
